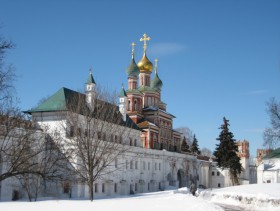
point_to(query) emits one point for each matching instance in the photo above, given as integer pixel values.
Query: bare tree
(187, 133)
(96, 136)
(272, 134)
(7, 74)
(28, 153)
(206, 152)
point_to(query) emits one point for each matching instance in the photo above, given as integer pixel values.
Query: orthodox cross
(132, 46)
(90, 70)
(156, 64)
(145, 39)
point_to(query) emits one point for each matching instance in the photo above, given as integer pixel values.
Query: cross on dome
(145, 39)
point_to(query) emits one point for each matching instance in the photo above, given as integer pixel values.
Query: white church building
(154, 160)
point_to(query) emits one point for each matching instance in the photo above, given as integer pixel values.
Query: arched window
(128, 107)
(135, 105)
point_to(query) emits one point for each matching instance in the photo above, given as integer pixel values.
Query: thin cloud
(164, 49)
(256, 92)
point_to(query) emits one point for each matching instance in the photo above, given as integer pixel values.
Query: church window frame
(96, 187)
(116, 163)
(135, 105)
(103, 187)
(116, 187)
(128, 105)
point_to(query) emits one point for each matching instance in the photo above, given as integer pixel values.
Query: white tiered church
(155, 161)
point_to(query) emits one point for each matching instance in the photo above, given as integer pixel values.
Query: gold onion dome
(145, 65)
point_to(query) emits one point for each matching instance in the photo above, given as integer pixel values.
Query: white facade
(269, 171)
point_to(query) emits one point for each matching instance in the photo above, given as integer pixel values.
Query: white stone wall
(143, 170)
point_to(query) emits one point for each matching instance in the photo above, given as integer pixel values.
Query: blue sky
(216, 58)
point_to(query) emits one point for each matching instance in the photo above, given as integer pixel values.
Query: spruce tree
(185, 147)
(194, 147)
(226, 153)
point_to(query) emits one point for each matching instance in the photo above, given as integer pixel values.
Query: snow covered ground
(257, 197)
(252, 197)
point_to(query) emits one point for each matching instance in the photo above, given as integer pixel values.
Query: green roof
(122, 93)
(132, 70)
(146, 88)
(90, 79)
(156, 83)
(57, 102)
(66, 99)
(274, 154)
(135, 91)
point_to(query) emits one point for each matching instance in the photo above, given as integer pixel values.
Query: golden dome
(145, 65)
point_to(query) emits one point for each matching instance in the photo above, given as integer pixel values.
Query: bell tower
(90, 89)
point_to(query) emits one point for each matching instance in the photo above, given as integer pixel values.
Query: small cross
(133, 44)
(156, 64)
(145, 39)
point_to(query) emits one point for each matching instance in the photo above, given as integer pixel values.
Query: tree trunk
(90, 191)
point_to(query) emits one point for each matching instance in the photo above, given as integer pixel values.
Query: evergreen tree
(185, 147)
(194, 147)
(226, 153)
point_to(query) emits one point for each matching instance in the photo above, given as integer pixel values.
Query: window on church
(149, 166)
(135, 142)
(71, 133)
(144, 165)
(136, 187)
(218, 173)
(116, 163)
(159, 166)
(135, 105)
(136, 164)
(155, 166)
(128, 107)
(116, 188)
(213, 173)
(126, 164)
(130, 141)
(95, 187)
(66, 187)
(219, 185)
(131, 164)
(103, 187)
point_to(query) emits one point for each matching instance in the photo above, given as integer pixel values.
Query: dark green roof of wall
(68, 100)
(273, 154)
(56, 102)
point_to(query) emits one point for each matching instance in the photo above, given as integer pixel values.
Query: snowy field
(260, 197)
(251, 197)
